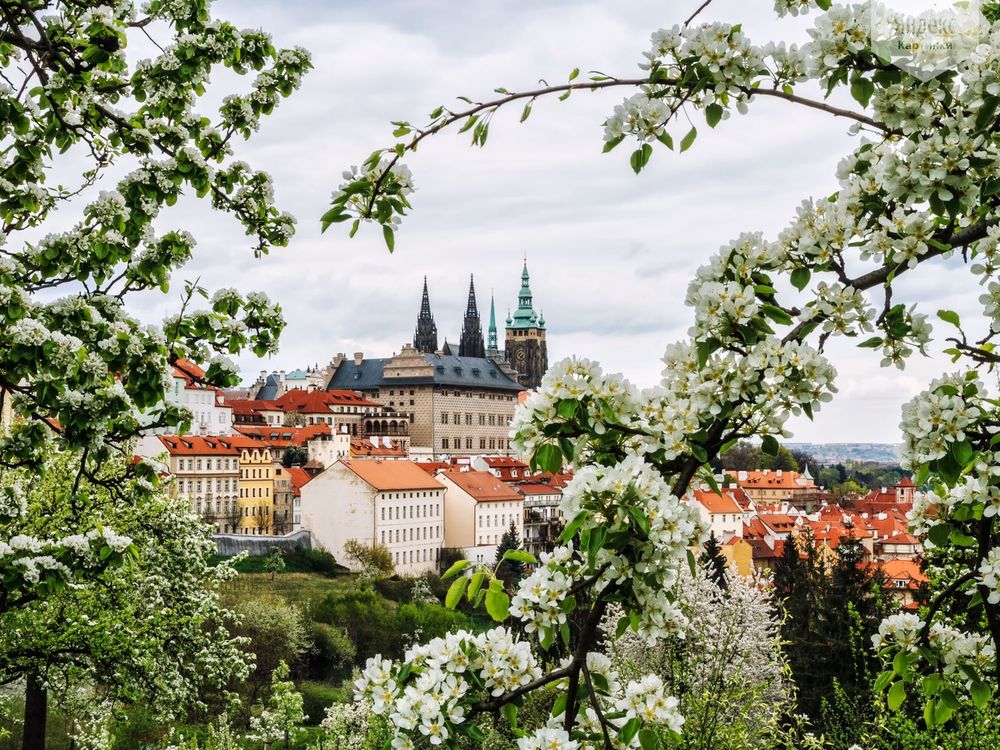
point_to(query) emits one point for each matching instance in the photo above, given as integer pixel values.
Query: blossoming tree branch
(84, 376)
(920, 186)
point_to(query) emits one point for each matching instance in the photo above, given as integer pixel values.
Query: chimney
(358, 358)
(742, 475)
(373, 440)
(386, 442)
(777, 473)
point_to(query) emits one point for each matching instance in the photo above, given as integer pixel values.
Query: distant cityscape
(833, 453)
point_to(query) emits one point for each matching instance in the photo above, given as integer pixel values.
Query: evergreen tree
(715, 562)
(510, 571)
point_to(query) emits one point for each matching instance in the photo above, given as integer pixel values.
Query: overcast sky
(610, 254)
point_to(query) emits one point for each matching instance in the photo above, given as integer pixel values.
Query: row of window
(499, 519)
(411, 534)
(187, 486)
(494, 420)
(261, 492)
(483, 395)
(493, 443)
(418, 555)
(398, 512)
(198, 464)
(256, 473)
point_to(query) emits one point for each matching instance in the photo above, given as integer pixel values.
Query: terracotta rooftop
(282, 437)
(393, 475)
(482, 485)
(714, 503)
(534, 488)
(319, 402)
(364, 447)
(198, 445)
(299, 477)
(774, 480)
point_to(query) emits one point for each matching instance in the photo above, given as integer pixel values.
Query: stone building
(455, 404)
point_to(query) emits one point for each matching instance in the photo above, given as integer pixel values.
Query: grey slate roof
(463, 372)
(268, 391)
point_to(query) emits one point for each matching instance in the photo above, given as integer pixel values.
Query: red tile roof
(197, 445)
(534, 488)
(283, 437)
(392, 475)
(300, 477)
(482, 485)
(364, 447)
(774, 480)
(715, 503)
(319, 402)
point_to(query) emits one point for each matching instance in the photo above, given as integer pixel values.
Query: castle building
(525, 348)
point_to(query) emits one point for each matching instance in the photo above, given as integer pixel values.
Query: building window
(482, 443)
(468, 443)
(444, 443)
(468, 418)
(444, 417)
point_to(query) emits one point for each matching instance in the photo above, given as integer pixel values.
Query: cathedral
(524, 342)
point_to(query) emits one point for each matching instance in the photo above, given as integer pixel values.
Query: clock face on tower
(520, 356)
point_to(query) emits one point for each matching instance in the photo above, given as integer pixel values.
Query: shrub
(421, 622)
(333, 652)
(367, 619)
(317, 697)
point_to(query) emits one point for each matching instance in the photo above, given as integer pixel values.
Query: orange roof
(482, 485)
(197, 445)
(282, 437)
(535, 488)
(504, 462)
(905, 482)
(319, 402)
(904, 569)
(188, 370)
(901, 538)
(755, 529)
(393, 475)
(299, 477)
(774, 480)
(714, 503)
(364, 447)
(432, 467)
(777, 521)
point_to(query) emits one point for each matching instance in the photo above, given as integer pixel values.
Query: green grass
(300, 589)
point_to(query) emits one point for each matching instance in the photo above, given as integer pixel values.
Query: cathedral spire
(471, 343)
(425, 338)
(491, 337)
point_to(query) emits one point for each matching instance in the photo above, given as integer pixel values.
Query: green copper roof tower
(524, 316)
(491, 336)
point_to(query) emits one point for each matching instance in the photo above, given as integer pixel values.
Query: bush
(333, 652)
(422, 622)
(367, 619)
(297, 560)
(317, 697)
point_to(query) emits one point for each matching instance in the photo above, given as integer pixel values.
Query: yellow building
(256, 501)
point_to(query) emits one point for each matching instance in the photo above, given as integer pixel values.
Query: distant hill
(833, 453)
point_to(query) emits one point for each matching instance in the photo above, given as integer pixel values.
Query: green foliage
(374, 561)
(714, 561)
(297, 560)
(294, 456)
(319, 696)
(367, 619)
(509, 570)
(277, 634)
(333, 652)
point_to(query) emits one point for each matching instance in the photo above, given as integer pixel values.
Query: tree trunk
(35, 714)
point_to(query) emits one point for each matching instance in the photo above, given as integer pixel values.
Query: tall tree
(713, 561)
(510, 571)
(137, 618)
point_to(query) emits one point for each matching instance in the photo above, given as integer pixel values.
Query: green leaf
(455, 569)
(862, 90)
(497, 604)
(648, 739)
(980, 693)
(896, 696)
(389, 236)
(455, 591)
(567, 408)
(931, 684)
(666, 140)
(527, 112)
(824, 4)
(692, 563)
(574, 73)
(713, 114)
(769, 445)
(609, 145)
(475, 583)
(688, 140)
(519, 555)
(510, 713)
(574, 526)
(640, 157)
(872, 343)
(899, 664)
(939, 534)
(800, 278)
(628, 732)
(560, 705)
(950, 316)
(549, 458)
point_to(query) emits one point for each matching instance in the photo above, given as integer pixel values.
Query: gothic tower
(471, 343)
(425, 339)
(525, 346)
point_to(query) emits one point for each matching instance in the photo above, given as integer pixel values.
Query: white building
(479, 508)
(209, 413)
(393, 503)
(722, 514)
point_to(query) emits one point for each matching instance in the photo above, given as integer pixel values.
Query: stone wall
(228, 545)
